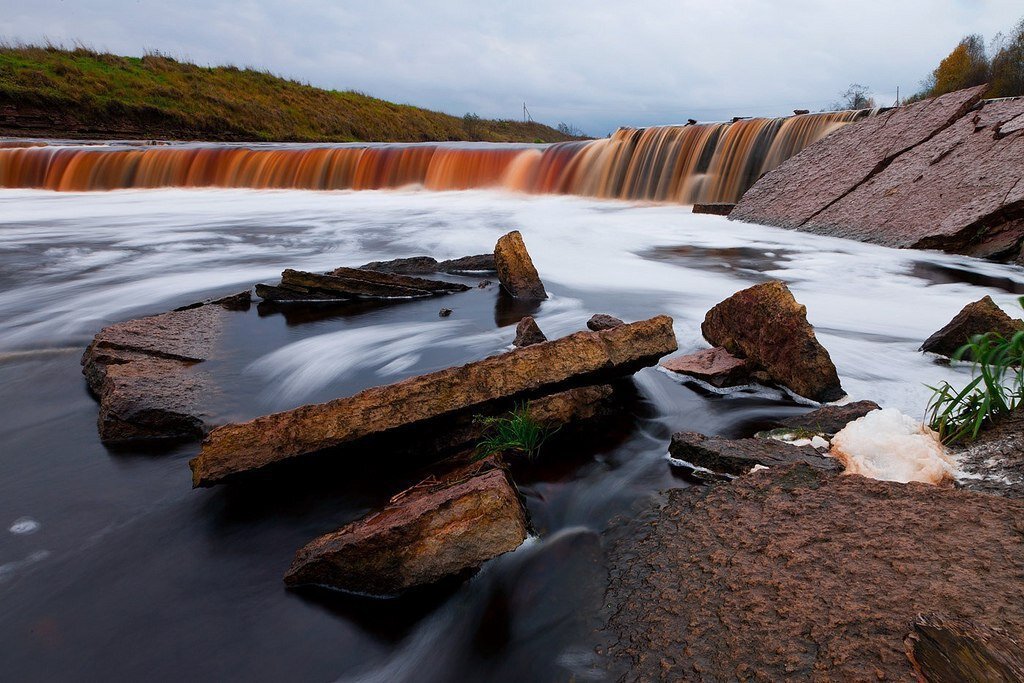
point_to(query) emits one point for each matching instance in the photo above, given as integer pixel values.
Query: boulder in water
(436, 529)
(715, 366)
(829, 419)
(716, 209)
(767, 327)
(980, 317)
(528, 332)
(425, 265)
(515, 268)
(603, 321)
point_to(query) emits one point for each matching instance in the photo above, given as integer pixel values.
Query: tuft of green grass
(515, 431)
(996, 389)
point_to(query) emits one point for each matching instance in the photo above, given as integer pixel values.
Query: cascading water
(714, 162)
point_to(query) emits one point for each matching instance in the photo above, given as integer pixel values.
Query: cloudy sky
(596, 65)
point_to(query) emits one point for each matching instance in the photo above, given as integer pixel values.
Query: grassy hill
(56, 92)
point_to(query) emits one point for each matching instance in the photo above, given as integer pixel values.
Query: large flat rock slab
(436, 529)
(343, 284)
(739, 456)
(578, 359)
(942, 174)
(795, 574)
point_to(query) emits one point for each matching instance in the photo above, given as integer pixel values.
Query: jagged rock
(943, 648)
(738, 456)
(715, 366)
(515, 268)
(142, 372)
(720, 209)
(481, 263)
(431, 531)
(343, 284)
(581, 358)
(765, 325)
(979, 317)
(939, 174)
(829, 419)
(603, 321)
(528, 332)
(794, 575)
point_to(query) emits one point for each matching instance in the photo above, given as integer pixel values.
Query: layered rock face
(943, 173)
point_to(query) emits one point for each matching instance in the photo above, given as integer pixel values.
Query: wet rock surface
(795, 574)
(829, 419)
(436, 529)
(425, 265)
(603, 321)
(994, 462)
(765, 325)
(719, 209)
(739, 456)
(715, 366)
(948, 649)
(578, 359)
(516, 271)
(528, 333)
(143, 373)
(344, 284)
(938, 174)
(979, 317)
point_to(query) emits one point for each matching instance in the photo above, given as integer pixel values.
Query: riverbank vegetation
(80, 92)
(970, 64)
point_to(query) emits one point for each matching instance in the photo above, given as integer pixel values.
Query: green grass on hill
(82, 93)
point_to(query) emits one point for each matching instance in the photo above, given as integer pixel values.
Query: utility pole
(526, 114)
(897, 95)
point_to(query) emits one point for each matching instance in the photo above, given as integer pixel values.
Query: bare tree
(855, 97)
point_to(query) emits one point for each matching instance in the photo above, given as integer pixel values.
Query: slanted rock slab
(715, 366)
(431, 531)
(765, 325)
(829, 419)
(516, 271)
(980, 317)
(578, 359)
(528, 332)
(738, 456)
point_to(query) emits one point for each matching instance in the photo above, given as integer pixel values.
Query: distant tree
(855, 97)
(570, 130)
(965, 67)
(471, 122)
(1007, 69)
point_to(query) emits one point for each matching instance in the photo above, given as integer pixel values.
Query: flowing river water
(112, 567)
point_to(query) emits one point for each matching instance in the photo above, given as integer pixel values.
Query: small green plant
(514, 431)
(996, 389)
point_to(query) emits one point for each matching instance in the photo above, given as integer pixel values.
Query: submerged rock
(943, 648)
(980, 317)
(342, 284)
(792, 575)
(581, 358)
(528, 332)
(143, 373)
(719, 209)
(829, 419)
(603, 321)
(431, 531)
(515, 268)
(766, 326)
(715, 366)
(739, 456)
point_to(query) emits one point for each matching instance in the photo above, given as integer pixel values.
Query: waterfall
(713, 162)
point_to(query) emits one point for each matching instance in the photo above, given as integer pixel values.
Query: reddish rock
(528, 332)
(935, 175)
(603, 321)
(715, 366)
(766, 326)
(433, 530)
(980, 317)
(714, 209)
(581, 358)
(738, 456)
(352, 283)
(515, 268)
(793, 574)
(943, 648)
(829, 419)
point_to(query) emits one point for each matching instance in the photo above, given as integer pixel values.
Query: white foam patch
(890, 446)
(24, 526)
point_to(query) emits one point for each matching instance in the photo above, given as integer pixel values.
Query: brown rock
(528, 332)
(936, 174)
(714, 209)
(481, 263)
(515, 268)
(795, 575)
(715, 366)
(829, 419)
(766, 326)
(414, 265)
(738, 456)
(352, 283)
(428, 532)
(943, 648)
(603, 321)
(444, 312)
(980, 317)
(581, 358)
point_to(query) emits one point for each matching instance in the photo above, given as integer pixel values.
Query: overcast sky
(596, 65)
